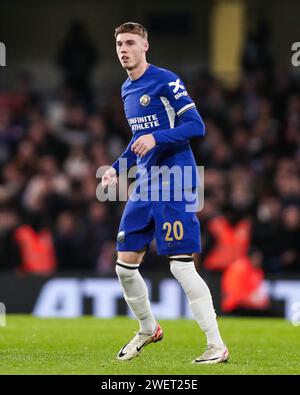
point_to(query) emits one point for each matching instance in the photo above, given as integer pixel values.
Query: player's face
(131, 50)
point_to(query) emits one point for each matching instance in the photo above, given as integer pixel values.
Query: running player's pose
(162, 118)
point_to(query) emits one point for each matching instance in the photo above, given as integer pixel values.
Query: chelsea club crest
(121, 237)
(145, 100)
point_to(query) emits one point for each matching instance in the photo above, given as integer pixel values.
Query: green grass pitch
(88, 345)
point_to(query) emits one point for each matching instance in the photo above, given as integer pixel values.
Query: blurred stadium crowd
(52, 144)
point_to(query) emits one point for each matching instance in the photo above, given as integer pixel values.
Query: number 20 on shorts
(173, 231)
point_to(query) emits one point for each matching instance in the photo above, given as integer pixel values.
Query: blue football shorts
(176, 231)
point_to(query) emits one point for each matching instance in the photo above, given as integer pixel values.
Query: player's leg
(135, 289)
(135, 233)
(178, 236)
(183, 268)
(136, 295)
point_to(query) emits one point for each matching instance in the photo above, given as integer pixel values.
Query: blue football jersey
(158, 103)
(155, 102)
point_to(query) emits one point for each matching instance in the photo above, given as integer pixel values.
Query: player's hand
(109, 178)
(143, 145)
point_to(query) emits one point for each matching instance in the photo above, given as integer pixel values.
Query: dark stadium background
(61, 117)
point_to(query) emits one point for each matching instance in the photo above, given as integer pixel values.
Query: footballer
(162, 118)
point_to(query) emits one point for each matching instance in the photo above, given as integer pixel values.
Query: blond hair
(132, 27)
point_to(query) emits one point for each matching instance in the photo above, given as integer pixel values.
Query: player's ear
(146, 45)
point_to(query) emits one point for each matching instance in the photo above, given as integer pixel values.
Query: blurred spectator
(35, 245)
(107, 259)
(256, 55)
(267, 233)
(77, 57)
(10, 133)
(48, 189)
(230, 240)
(45, 141)
(99, 230)
(242, 284)
(289, 242)
(9, 252)
(69, 243)
(12, 185)
(77, 163)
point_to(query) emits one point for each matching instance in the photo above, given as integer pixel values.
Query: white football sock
(199, 297)
(136, 295)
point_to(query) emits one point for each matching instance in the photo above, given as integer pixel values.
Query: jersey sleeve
(191, 126)
(175, 92)
(126, 160)
(176, 97)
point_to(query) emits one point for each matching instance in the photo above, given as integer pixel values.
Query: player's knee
(181, 263)
(125, 270)
(183, 258)
(131, 257)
